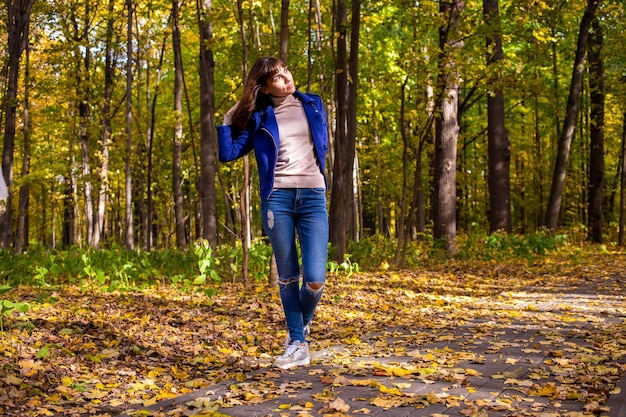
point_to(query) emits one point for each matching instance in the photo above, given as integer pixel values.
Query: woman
(287, 130)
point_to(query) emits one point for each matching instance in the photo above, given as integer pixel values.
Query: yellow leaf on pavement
(545, 391)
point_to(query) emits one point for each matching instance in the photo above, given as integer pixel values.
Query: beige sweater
(297, 165)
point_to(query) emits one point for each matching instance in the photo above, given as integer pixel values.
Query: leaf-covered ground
(103, 354)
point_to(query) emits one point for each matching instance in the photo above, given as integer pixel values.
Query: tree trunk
(342, 195)
(18, 21)
(208, 141)
(341, 183)
(538, 179)
(569, 125)
(84, 113)
(246, 227)
(405, 167)
(152, 107)
(622, 199)
(380, 217)
(499, 149)
(177, 181)
(314, 26)
(596, 145)
(70, 210)
(109, 73)
(353, 87)
(426, 137)
(246, 192)
(129, 237)
(403, 219)
(21, 240)
(446, 132)
(284, 30)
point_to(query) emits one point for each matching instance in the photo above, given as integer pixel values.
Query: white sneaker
(307, 330)
(296, 355)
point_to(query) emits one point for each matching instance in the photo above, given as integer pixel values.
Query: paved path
(548, 362)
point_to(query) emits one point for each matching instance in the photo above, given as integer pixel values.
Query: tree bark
(405, 167)
(246, 192)
(129, 237)
(208, 141)
(152, 108)
(596, 145)
(21, 240)
(84, 98)
(342, 195)
(177, 180)
(498, 146)
(353, 87)
(341, 182)
(284, 30)
(447, 131)
(622, 200)
(569, 125)
(405, 220)
(109, 73)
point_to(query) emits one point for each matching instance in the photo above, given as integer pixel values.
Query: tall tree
(596, 133)
(499, 149)
(129, 236)
(208, 142)
(245, 196)
(346, 82)
(447, 128)
(177, 181)
(353, 87)
(109, 73)
(340, 207)
(18, 20)
(622, 199)
(405, 166)
(21, 240)
(78, 30)
(569, 125)
(151, 99)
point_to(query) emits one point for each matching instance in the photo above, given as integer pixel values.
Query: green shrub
(116, 268)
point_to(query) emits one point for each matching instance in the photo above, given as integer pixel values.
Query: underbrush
(200, 266)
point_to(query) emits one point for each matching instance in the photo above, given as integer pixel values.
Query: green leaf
(43, 352)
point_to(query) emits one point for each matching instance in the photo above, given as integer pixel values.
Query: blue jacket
(262, 136)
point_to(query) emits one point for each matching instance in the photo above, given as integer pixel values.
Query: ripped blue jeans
(300, 213)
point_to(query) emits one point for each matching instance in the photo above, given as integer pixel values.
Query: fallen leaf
(336, 406)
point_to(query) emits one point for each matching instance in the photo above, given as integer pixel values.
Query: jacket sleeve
(231, 148)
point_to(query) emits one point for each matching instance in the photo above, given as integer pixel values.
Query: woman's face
(280, 85)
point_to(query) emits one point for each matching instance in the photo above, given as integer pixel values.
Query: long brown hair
(253, 98)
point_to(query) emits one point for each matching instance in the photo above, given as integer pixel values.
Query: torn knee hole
(286, 282)
(315, 287)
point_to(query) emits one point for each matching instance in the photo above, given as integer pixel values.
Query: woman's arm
(231, 148)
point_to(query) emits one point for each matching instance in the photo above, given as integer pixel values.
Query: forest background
(444, 117)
